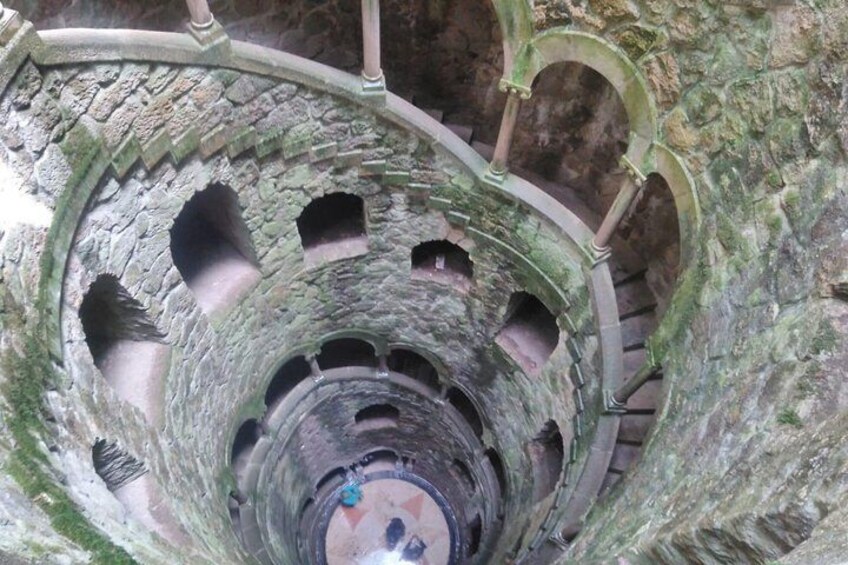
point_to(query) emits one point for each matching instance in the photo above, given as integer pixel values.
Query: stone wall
(753, 94)
(220, 365)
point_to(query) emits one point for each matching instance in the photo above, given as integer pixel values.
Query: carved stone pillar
(372, 72)
(201, 16)
(630, 188)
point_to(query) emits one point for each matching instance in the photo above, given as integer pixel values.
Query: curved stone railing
(80, 46)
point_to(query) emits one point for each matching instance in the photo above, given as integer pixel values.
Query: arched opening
(570, 137)
(211, 248)
(333, 227)
(442, 261)
(377, 416)
(292, 373)
(331, 479)
(380, 460)
(530, 333)
(126, 346)
(413, 366)
(128, 480)
(447, 57)
(460, 401)
(246, 437)
(115, 466)
(461, 471)
(346, 352)
(497, 467)
(547, 454)
(475, 533)
(652, 232)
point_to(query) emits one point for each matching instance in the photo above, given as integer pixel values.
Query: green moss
(789, 417)
(729, 236)
(636, 40)
(775, 226)
(29, 373)
(80, 148)
(825, 340)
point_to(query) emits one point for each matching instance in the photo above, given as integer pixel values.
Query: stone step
(434, 113)
(485, 150)
(623, 457)
(465, 133)
(633, 361)
(646, 399)
(634, 428)
(622, 276)
(636, 329)
(634, 297)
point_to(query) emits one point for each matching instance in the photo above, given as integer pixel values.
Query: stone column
(630, 188)
(500, 159)
(201, 17)
(372, 72)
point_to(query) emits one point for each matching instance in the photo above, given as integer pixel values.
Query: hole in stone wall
(115, 466)
(246, 437)
(377, 416)
(126, 346)
(333, 227)
(211, 248)
(571, 136)
(460, 401)
(442, 261)
(285, 379)
(475, 532)
(547, 454)
(497, 466)
(346, 352)
(461, 471)
(413, 366)
(530, 333)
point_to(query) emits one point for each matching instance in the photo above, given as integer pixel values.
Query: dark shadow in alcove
(211, 248)
(530, 333)
(115, 466)
(292, 373)
(442, 261)
(414, 366)
(246, 437)
(126, 346)
(547, 454)
(497, 466)
(333, 227)
(571, 136)
(376, 416)
(652, 232)
(109, 315)
(379, 460)
(475, 533)
(336, 475)
(346, 352)
(461, 471)
(460, 401)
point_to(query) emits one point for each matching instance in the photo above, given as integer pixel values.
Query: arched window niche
(530, 333)
(332, 227)
(443, 262)
(212, 250)
(126, 346)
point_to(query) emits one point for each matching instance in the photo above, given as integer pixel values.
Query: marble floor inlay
(396, 522)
